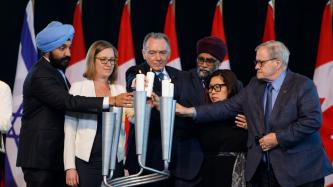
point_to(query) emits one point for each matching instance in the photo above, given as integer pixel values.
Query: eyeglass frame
(215, 87)
(202, 60)
(105, 60)
(262, 62)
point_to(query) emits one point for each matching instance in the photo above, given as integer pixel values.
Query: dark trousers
(42, 177)
(265, 177)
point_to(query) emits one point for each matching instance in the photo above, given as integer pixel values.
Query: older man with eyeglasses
(284, 117)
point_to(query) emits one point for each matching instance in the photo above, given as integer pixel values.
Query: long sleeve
(70, 128)
(6, 107)
(309, 120)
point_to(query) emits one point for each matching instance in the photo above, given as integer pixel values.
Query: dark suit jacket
(188, 157)
(45, 100)
(296, 118)
(154, 149)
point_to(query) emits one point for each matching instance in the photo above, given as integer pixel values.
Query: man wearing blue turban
(45, 101)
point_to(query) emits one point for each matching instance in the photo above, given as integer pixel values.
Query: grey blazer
(296, 119)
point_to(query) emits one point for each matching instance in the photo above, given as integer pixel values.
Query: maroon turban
(212, 45)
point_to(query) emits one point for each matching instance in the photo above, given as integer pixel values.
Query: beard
(59, 63)
(204, 73)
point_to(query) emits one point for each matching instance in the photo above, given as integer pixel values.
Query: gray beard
(203, 74)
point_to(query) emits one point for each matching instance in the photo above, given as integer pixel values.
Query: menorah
(111, 129)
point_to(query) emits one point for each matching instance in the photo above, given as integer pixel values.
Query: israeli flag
(27, 56)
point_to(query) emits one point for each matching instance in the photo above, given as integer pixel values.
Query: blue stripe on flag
(28, 53)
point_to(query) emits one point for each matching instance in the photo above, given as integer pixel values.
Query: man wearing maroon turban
(189, 157)
(210, 53)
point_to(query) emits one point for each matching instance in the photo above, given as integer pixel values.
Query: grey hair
(276, 49)
(156, 35)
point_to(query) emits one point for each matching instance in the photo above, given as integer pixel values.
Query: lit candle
(150, 82)
(140, 82)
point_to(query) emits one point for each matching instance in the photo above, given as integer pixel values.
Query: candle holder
(111, 121)
(167, 112)
(142, 121)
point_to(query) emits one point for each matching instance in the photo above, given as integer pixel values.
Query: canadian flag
(323, 78)
(77, 64)
(218, 31)
(269, 32)
(126, 57)
(170, 31)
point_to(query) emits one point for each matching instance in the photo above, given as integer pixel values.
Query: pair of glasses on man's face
(105, 60)
(209, 61)
(262, 62)
(215, 87)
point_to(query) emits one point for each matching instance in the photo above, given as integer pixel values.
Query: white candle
(171, 89)
(140, 82)
(150, 82)
(165, 88)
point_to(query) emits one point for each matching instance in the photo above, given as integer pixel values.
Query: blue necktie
(268, 110)
(160, 76)
(268, 106)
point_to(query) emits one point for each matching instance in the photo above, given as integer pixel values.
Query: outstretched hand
(184, 111)
(124, 100)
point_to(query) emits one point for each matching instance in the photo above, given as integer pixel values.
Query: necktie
(268, 106)
(203, 82)
(65, 79)
(268, 110)
(160, 76)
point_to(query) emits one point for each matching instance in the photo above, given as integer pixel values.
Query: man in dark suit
(45, 101)
(156, 52)
(189, 157)
(284, 117)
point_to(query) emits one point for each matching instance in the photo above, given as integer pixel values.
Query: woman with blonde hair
(83, 131)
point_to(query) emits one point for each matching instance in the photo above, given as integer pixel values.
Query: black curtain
(297, 25)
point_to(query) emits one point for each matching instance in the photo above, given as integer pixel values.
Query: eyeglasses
(105, 60)
(152, 53)
(262, 62)
(209, 61)
(215, 87)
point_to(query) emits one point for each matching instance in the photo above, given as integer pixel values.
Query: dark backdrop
(297, 25)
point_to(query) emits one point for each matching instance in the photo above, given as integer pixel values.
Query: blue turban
(53, 36)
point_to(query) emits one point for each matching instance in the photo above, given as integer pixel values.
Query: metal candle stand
(142, 119)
